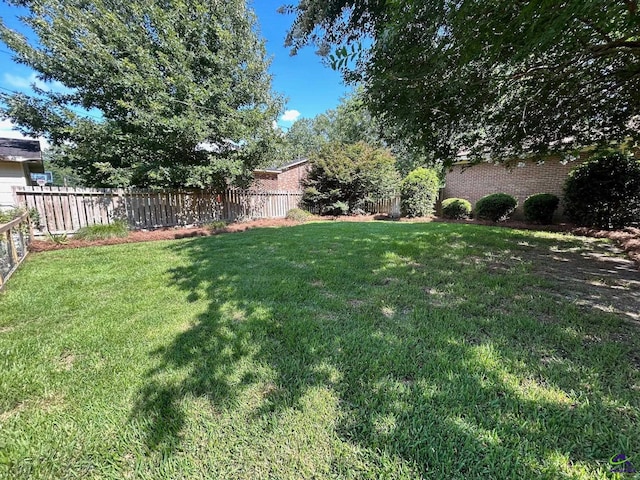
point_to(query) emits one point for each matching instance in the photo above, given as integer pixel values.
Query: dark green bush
(604, 192)
(100, 232)
(349, 175)
(495, 207)
(419, 192)
(456, 208)
(337, 208)
(298, 215)
(539, 208)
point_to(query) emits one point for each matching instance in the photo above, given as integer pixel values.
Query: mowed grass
(326, 350)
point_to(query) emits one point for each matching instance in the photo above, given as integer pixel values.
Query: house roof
(20, 150)
(282, 168)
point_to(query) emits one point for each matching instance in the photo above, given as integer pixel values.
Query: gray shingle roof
(14, 149)
(282, 168)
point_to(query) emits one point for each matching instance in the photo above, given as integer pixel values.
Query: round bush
(419, 192)
(495, 207)
(539, 208)
(298, 215)
(456, 208)
(604, 192)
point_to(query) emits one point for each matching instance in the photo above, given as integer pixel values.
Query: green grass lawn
(326, 350)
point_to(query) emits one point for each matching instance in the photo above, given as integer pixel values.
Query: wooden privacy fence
(14, 240)
(66, 209)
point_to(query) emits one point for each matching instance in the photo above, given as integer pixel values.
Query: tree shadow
(447, 354)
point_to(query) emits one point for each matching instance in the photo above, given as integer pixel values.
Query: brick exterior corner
(288, 179)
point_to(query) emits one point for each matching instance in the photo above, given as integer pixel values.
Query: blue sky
(309, 86)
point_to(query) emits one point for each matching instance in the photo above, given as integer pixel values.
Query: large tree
(177, 91)
(499, 77)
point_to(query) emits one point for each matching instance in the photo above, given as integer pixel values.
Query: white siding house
(18, 159)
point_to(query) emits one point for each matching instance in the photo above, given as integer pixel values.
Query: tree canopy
(498, 78)
(177, 91)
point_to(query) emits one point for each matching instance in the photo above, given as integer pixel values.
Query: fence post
(13, 254)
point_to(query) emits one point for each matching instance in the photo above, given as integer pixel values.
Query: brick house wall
(525, 178)
(291, 179)
(288, 178)
(266, 180)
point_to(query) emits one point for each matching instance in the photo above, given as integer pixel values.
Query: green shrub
(349, 175)
(100, 232)
(495, 207)
(337, 208)
(216, 226)
(604, 192)
(419, 192)
(539, 208)
(298, 215)
(7, 215)
(456, 208)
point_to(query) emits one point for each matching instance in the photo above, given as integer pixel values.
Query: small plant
(604, 192)
(495, 207)
(298, 215)
(419, 192)
(34, 216)
(539, 208)
(116, 229)
(7, 215)
(243, 218)
(337, 208)
(216, 226)
(57, 238)
(456, 208)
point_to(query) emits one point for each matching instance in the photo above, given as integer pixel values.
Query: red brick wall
(524, 179)
(266, 181)
(291, 180)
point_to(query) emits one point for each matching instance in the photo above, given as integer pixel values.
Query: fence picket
(66, 209)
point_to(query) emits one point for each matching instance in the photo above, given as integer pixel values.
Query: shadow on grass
(446, 347)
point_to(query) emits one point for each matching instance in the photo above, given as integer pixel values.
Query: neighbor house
(520, 178)
(287, 177)
(18, 160)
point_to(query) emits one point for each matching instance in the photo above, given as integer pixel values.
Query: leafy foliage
(604, 192)
(343, 177)
(216, 226)
(63, 175)
(298, 215)
(456, 208)
(419, 192)
(539, 208)
(495, 207)
(177, 92)
(7, 215)
(350, 122)
(502, 78)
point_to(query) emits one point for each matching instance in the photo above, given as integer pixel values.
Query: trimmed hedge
(495, 207)
(539, 208)
(456, 208)
(419, 192)
(604, 192)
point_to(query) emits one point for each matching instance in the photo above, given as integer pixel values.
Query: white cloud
(17, 81)
(290, 116)
(7, 131)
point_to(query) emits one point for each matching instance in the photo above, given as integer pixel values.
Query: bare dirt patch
(45, 404)
(66, 361)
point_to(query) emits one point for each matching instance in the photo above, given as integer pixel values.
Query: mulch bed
(627, 239)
